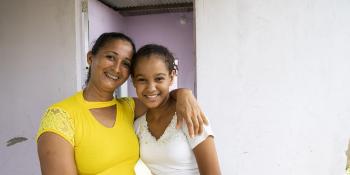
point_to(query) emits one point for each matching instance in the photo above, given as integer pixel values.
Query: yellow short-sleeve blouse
(98, 149)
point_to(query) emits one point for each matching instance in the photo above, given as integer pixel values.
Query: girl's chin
(151, 105)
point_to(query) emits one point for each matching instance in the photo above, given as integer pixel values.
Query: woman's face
(110, 66)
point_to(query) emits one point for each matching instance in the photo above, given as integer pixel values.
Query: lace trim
(170, 133)
(58, 121)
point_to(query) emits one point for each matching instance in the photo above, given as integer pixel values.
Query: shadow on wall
(15, 140)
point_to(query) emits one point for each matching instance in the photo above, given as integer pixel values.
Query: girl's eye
(141, 80)
(159, 79)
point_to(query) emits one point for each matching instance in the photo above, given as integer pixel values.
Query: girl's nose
(151, 86)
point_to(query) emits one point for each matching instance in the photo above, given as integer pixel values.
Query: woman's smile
(112, 76)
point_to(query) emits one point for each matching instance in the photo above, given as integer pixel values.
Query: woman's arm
(207, 159)
(187, 108)
(56, 155)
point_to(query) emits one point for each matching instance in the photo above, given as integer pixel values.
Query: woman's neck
(92, 93)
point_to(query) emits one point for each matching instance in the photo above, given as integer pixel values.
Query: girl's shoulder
(207, 131)
(140, 121)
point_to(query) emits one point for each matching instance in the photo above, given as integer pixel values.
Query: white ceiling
(144, 7)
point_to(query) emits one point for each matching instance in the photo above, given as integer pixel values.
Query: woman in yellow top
(91, 132)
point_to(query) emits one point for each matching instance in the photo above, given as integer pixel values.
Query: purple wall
(103, 19)
(166, 29)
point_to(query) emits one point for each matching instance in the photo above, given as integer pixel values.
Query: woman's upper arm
(140, 108)
(56, 155)
(206, 156)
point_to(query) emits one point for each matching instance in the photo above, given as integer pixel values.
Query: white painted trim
(123, 90)
(82, 43)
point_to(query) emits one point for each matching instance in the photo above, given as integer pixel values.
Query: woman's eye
(126, 64)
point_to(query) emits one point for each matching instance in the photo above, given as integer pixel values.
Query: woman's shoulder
(58, 119)
(68, 104)
(61, 110)
(127, 102)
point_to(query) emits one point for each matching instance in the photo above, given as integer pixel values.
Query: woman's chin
(111, 86)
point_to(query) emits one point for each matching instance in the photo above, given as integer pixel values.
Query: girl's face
(152, 81)
(110, 66)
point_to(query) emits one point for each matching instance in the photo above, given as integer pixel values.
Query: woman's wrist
(175, 94)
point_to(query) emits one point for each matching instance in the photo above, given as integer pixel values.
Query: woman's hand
(187, 108)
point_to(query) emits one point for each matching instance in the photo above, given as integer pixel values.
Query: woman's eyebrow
(115, 53)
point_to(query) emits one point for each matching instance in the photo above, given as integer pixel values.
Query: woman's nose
(117, 65)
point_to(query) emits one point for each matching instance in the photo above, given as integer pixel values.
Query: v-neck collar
(166, 132)
(100, 104)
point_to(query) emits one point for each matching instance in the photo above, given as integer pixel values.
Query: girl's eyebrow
(161, 74)
(138, 75)
(141, 75)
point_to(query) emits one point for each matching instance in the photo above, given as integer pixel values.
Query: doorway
(147, 22)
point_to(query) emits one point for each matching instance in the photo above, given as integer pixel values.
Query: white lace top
(172, 153)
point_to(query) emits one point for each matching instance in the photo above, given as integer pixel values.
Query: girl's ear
(89, 57)
(172, 76)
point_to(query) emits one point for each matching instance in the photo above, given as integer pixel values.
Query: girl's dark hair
(105, 38)
(153, 49)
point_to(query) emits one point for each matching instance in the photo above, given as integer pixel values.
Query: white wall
(38, 67)
(273, 76)
(103, 19)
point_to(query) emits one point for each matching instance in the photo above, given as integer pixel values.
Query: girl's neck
(92, 93)
(165, 108)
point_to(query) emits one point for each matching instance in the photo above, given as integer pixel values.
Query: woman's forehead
(119, 47)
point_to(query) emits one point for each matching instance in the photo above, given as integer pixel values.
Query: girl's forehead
(152, 60)
(151, 64)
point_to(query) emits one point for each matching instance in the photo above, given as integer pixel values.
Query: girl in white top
(163, 148)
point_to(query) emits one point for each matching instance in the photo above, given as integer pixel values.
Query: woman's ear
(133, 81)
(89, 57)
